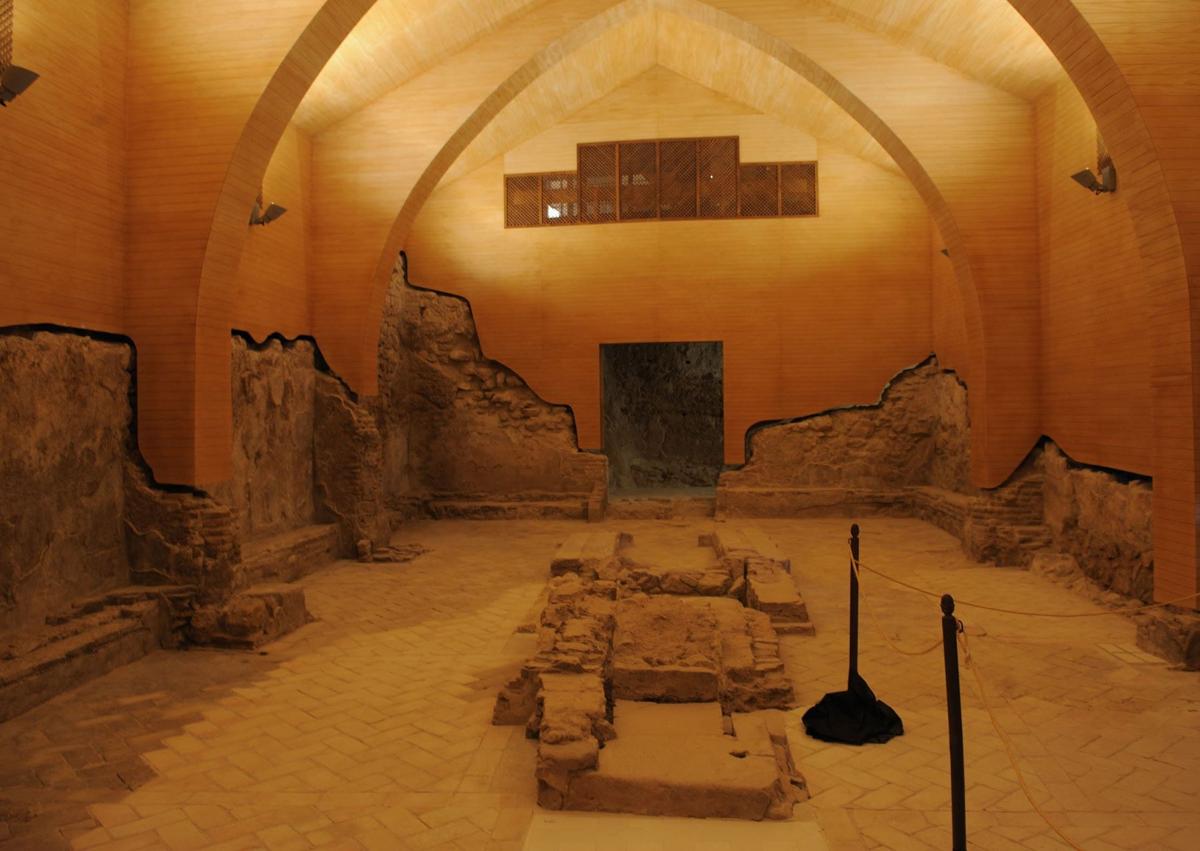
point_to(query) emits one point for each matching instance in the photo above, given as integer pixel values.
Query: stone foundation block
(250, 619)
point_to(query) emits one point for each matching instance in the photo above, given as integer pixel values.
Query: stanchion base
(853, 717)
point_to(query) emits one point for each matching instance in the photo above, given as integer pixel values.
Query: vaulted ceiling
(942, 92)
(398, 40)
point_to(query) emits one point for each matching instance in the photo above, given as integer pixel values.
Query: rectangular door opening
(663, 415)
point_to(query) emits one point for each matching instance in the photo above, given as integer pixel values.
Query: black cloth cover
(853, 717)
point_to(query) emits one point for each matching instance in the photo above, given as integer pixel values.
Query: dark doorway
(663, 409)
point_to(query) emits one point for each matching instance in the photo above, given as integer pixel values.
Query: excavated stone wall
(905, 440)
(304, 450)
(79, 513)
(1103, 520)
(663, 414)
(65, 416)
(273, 426)
(457, 425)
(349, 468)
(180, 537)
(910, 455)
(950, 455)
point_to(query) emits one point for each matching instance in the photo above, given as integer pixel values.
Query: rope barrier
(981, 691)
(879, 626)
(1005, 740)
(985, 607)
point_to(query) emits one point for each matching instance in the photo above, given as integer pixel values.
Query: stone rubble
(603, 641)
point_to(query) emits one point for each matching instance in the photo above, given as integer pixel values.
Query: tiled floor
(369, 728)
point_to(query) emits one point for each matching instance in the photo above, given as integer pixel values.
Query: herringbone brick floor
(369, 728)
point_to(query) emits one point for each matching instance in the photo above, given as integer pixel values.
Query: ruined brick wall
(911, 455)
(907, 439)
(395, 380)
(304, 451)
(1102, 519)
(950, 456)
(458, 424)
(273, 425)
(180, 537)
(349, 468)
(65, 416)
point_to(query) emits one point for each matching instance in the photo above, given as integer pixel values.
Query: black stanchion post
(853, 600)
(958, 797)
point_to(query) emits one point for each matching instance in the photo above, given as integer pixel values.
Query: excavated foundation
(657, 684)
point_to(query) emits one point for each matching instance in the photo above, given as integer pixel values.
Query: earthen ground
(370, 728)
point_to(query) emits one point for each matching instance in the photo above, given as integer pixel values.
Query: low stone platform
(251, 618)
(604, 641)
(566, 506)
(678, 760)
(1002, 527)
(288, 556)
(97, 635)
(655, 507)
(676, 563)
(768, 577)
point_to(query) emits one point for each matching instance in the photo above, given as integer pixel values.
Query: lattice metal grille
(598, 183)
(522, 200)
(758, 184)
(677, 192)
(560, 198)
(672, 179)
(6, 33)
(798, 189)
(718, 162)
(639, 180)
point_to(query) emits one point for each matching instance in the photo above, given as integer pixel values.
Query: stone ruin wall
(457, 425)
(917, 435)
(273, 391)
(1103, 520)
(910, 455)
(80, 514)
(304, 450)
(65, 418)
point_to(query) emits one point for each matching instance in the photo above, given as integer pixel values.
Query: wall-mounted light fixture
(259, 216)
(13, 80)
(1107, 182)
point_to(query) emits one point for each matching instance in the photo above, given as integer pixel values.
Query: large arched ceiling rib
(687, 49)
(984, 39)
(593, 70)
(1124, 91)
(251, 153)
(394, 42)
(207, 98)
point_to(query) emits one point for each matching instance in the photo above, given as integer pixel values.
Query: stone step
(569, 507)
(77, 649)
(660, 508)
(290, 555)
(676, 760)
(585, 553)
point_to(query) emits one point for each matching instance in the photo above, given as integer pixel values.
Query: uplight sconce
(13, 80)
(1107, 182)
(259, 216)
